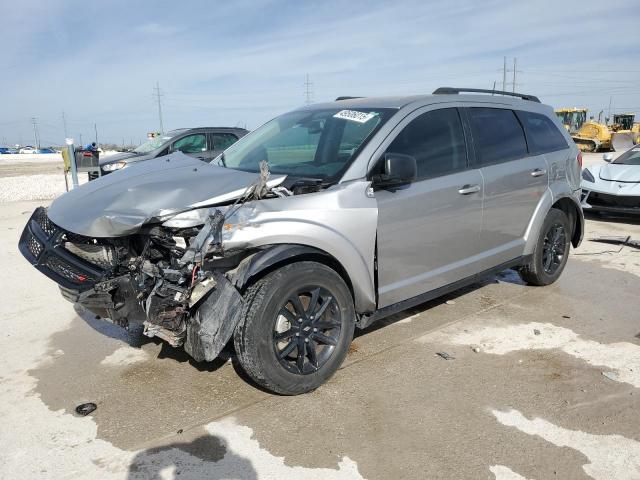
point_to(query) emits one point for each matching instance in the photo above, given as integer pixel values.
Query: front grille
(41, 218)
(101, 256)
(67, 271)
(34, 246)
(605, 200)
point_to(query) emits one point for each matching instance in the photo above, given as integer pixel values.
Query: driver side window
(436, 140)
(196, 143)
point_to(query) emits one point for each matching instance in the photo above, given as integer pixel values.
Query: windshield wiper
(221, 161)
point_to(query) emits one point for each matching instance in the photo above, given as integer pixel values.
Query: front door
(194, 145)
(428, 230)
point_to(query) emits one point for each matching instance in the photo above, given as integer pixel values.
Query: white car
(613, 186)
(28, 149)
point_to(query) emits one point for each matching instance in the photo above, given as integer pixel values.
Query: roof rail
(454, 91)
(346, 98)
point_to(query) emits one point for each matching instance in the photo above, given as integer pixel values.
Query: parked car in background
(613, 186)
(202, 143)
(46, 150)
(326, 218)
(4, 151)
(28, 149)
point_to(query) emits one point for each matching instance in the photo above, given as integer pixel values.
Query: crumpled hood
(618, 172)
(120, 203)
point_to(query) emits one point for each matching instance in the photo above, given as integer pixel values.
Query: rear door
(428, 230)
(514, 182)
(219, 142)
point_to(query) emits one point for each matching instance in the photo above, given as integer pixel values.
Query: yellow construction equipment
(593, 137)
(572, 118)
(625, 132)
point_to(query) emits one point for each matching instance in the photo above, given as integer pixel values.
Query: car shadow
(612, 218)
(506, 276)
(133, 337)
(214, 461)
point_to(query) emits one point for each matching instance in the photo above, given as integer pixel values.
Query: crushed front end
(171, 280)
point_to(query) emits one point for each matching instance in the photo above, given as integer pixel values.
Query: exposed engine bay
(175, 280)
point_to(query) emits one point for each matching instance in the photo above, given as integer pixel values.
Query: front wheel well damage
(259, 264)
(571, 211)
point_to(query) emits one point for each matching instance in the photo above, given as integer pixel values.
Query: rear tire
(551, 251)
(296, 328)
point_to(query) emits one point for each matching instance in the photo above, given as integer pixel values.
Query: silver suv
(324, 219)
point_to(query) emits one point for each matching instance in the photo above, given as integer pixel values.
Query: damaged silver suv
(324, 219)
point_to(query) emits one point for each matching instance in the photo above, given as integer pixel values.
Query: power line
(307, 91)
(36, 137)
(158, 96)
(64, 124)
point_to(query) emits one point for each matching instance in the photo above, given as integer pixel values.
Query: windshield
(307, 143)
(631, 157)
(157, 142)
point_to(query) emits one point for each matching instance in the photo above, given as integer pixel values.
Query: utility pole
(494, 88)
(504, 74)
(34, 121)
(307, 91)
(609, 111)
(515, 62)
(81, 144)
(158, 96)
(64, 124)
(95, 128)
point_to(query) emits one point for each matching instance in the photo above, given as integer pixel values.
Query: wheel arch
(563, 201)
(272, 257)
(576, 219)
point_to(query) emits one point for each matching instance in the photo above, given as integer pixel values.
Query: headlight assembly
(110, 167)
(587, 175)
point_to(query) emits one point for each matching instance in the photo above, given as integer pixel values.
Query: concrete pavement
(544, 384)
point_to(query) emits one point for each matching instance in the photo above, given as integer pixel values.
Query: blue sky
(243, 62)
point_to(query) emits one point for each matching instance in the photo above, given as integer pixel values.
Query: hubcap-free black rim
(306, 330)
(553, 248)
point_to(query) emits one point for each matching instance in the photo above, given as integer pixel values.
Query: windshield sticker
(354, 116)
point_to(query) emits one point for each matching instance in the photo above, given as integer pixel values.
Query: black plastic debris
(536, 331)
(180, 431)
(445, 355)
(85, 409)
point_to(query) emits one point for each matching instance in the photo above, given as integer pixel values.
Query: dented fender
(340, 221)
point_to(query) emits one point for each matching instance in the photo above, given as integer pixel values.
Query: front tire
(296, 328)
(551, 251)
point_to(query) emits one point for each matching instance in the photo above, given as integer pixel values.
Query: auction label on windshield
(354, 116)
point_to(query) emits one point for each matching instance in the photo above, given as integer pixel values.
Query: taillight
(579, 159)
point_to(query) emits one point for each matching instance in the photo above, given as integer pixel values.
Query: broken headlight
(587, 175)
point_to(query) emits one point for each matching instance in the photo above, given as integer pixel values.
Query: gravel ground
(34, 177)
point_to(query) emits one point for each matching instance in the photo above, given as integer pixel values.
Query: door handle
(469, 189)
(538, 172)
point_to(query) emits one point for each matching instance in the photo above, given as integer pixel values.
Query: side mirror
(398, 169)
(608, 157)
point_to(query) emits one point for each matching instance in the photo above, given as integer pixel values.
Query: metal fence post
(72, 160)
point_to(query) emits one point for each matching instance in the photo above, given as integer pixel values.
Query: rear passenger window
(436, 140)
(497, 134)
(222, 141)
(543, 135)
